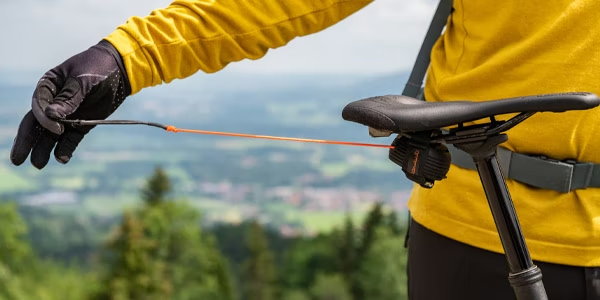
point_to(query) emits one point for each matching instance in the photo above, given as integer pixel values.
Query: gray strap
(417, 75)
(414, 85)
(538, 171)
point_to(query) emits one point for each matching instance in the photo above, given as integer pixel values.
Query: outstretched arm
(187, 36)
(173, 42)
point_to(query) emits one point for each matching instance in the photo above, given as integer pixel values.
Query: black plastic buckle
(581, 175)
(576, 175)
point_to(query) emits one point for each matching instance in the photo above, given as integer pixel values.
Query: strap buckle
(582, 174)
(563, 175)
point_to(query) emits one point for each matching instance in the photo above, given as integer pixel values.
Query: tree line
(159, 250)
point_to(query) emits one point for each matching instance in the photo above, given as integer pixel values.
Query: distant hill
(113, 161)
(268, 104)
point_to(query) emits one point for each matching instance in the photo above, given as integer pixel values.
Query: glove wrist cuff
(108, 47)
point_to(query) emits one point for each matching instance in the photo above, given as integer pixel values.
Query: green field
(11, 181)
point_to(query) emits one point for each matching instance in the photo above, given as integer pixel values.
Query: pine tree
(259, 278)
(394, 224)
(352, 246)
(306, 259)
(196, 268)
(157, 188)
(160, 252)
(345, 244)
(374, 219)
(382, 274)
(133, 273)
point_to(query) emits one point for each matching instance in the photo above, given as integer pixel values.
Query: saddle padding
(405, 114)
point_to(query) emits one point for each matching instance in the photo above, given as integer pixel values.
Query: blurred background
(140, 213)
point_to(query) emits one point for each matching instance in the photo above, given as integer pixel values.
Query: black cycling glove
(90, 85)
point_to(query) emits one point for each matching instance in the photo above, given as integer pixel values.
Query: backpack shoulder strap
(414, 85)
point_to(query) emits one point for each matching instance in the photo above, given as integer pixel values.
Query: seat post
(524, 276)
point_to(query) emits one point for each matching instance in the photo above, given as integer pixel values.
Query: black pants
(441, 268)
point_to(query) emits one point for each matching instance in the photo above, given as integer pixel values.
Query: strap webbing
(417, 75)
(538, 171)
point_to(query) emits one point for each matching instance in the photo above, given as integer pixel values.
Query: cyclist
(489, 51)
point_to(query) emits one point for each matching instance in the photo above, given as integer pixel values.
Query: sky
(382, 38)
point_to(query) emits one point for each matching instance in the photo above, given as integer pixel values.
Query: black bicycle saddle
(406, 114)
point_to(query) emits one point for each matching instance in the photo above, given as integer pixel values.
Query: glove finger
(40, 155)
(66, 101)
(67, 144)
(27, 134)
(43, 95)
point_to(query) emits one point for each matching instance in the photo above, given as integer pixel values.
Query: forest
(161, 249)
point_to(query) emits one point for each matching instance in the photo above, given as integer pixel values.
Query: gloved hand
(89, 85)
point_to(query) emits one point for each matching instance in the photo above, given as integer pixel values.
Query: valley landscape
(297, 188)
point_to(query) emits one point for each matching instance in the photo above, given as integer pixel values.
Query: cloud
(43, 33)
(384, 37)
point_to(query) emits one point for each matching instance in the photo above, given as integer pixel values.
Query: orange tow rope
(196, 131)
(279, 138)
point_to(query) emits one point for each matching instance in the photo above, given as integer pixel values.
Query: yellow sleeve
(177, 41)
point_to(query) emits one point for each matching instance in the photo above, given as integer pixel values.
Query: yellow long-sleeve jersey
(490, 50)
(207, 35)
